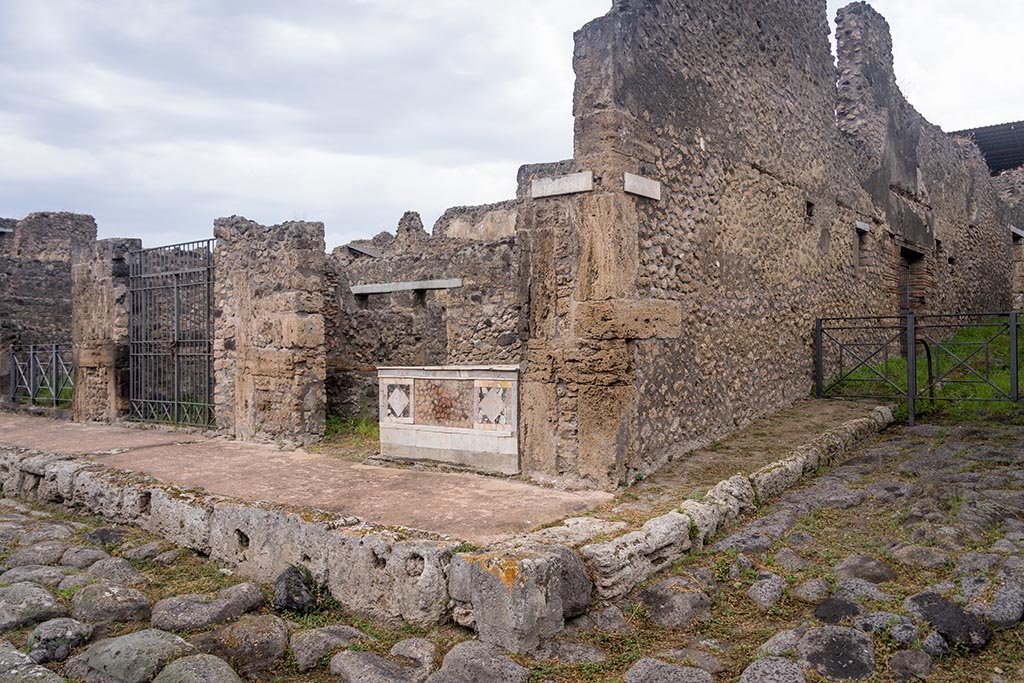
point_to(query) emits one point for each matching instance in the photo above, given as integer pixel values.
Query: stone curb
(390, 574)
(515, 594)
(519, 598)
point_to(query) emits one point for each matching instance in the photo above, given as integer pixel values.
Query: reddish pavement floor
(470, 507)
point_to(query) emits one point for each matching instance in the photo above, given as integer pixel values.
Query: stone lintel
(3, 230)
(629, 319)
(1016, 232)
(861, 226)
(643, 187)
(417, 285)
(567, 184)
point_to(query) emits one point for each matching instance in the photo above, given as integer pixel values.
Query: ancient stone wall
(47, 236)
(475, 322)
(35, 272)
(662, 319)
(100, 329)
(269, 353)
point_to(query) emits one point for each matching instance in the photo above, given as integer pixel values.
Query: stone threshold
(515, 594)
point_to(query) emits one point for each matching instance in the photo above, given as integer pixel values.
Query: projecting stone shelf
(418, 285)
(457, 415)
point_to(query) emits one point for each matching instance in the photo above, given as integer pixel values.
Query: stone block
(181, 517)
(606, 415)
(629, 319)
(383, 576)
(519, 598)
(643, 187)
(771, 480)
(621, 564)
(735, 495)
(572, 183)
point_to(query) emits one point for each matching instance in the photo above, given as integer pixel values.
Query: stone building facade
(730, 184)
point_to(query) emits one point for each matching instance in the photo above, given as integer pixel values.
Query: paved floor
(470, 507)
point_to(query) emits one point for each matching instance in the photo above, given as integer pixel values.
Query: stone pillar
(9, 336)
(269, 349)
(99, 328)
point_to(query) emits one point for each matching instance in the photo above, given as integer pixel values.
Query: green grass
(962, 379)
(360, 427)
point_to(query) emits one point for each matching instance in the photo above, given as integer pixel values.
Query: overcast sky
(158, 116)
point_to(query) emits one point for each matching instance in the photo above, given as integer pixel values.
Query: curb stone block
(181, 517)
(58, 483)
(383, 576)
(522, 597)
(736, 494)
(771, 480)
(621, 564)
(706, 518)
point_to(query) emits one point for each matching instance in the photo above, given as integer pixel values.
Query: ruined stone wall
(100, 329)
(660, 324)
(269, 353)
(475, 323)
(1010, 185)
(35, 272)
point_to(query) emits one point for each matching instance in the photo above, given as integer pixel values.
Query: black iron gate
(171, 334)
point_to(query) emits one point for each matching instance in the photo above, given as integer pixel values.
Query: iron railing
(171, 334)
(42, 375)
(963, 357)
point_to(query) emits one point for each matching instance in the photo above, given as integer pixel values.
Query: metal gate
(171, 334)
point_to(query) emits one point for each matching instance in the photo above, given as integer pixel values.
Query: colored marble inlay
(491, 406)
(445, 403)
(399, 401)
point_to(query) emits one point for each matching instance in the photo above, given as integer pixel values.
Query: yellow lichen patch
(507, 569)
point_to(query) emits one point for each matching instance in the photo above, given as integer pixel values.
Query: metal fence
(43, 375)
(966, 357)
(171, 334)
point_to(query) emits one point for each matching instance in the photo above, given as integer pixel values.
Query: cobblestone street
(905, 560)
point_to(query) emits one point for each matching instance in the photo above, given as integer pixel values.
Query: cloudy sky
(157, 116)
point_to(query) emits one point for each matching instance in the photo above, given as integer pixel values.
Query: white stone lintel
(1016, 232)
(566, 184)
(417, 285)
(861, 226)
(643, 187)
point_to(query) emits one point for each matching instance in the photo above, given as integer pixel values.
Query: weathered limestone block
(771, 480)
(621, 564)
(263, 540)
(519, 598)
(117, 496)
(629, 319)
(735, 494)
(181, 517)
(58, 484)
(19, 479)
(382, 576)
(707, 519)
